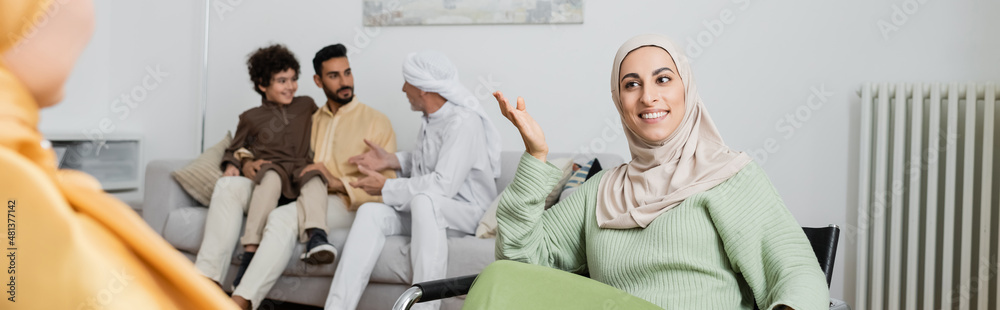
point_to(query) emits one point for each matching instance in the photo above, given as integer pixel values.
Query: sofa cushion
(469, 255)
(466, 255)
(185, 227)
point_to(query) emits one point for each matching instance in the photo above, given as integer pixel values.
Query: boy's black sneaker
(319, 251)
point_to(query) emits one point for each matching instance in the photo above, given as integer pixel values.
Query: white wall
(150, 52)
(759, 68)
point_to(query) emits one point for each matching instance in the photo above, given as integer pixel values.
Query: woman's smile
(653, 116)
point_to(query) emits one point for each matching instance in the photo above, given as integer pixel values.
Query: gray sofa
(181, 221)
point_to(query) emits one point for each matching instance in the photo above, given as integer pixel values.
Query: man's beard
(332, 95)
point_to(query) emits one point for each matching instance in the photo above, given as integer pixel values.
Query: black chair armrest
(441, 289)
(824, 241)
(434, 290)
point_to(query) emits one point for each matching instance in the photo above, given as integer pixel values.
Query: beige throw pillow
(566, 164)
(198, 177)
(488, 224)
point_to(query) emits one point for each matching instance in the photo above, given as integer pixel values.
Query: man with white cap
(446, 183)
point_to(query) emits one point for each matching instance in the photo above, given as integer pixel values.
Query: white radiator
(928, 197)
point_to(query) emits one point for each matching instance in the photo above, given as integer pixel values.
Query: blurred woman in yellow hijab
(67, 244)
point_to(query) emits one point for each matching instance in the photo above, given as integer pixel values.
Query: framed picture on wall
(471, 12)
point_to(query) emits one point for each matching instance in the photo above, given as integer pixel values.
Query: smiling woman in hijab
(686, 224)
(68, 244)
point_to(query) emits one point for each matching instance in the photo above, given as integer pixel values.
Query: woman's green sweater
(724, 248)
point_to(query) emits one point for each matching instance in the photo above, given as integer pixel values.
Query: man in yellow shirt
(342, 128)
(68, 245)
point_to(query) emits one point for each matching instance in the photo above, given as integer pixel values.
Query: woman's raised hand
(531, 133)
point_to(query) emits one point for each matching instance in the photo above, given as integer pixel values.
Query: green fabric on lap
(512, 285)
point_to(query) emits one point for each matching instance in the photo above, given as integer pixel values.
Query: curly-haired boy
(271, 147)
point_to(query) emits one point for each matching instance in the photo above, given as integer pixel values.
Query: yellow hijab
(662, 174)
(16, 20)
(76, 247)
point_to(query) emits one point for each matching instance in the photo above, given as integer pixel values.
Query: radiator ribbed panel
(928, 197)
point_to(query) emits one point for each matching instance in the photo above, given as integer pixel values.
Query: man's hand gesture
(371, 183)
(375, 159)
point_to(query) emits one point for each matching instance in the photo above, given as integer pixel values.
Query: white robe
(446, 183)
(451, 163)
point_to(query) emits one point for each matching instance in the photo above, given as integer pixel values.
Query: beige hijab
(662, 174)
